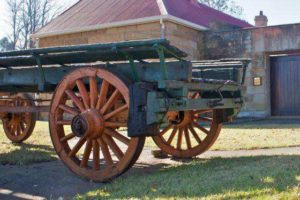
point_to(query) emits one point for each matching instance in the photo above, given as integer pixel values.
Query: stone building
(204, 33)
(102, 21)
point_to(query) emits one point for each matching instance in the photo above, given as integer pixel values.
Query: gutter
(160, 19)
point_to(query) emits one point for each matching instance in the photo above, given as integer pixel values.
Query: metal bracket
(163, 67)
(134, 72)
(42, 79)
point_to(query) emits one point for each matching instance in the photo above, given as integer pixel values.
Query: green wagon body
(160, 79)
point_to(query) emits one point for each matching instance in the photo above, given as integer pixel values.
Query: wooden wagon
(107, 98)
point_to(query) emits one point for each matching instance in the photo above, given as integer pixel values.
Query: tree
(227, 6)
(14, 7)
(6, 45)
(27, 16)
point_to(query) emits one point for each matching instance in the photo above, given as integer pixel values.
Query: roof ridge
(162, 7)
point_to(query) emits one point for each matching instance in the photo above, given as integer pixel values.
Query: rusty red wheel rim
(19, 126)
(96, 147)
(193, 135)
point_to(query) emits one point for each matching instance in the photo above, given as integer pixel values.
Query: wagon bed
(108, 97)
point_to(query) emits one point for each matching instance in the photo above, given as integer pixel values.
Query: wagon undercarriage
(108, 97)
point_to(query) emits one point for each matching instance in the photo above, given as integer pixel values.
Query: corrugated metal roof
(200, 14)
(89, 13)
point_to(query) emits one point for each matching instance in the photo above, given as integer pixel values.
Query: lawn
(38, 148)
(255, 135)
(263, 177)
(250, 135)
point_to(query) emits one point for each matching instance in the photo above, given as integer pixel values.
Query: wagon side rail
(235, 69)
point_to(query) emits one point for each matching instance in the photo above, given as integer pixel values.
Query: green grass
(38, 148)
(250, 135)
(268, 134)
(263, 177)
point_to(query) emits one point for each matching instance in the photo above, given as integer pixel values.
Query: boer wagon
(107, 98)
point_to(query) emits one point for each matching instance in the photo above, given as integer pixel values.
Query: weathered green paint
(169, 82)
(138, 50)
(162, 60)
(41, 77)
(28, 79)
(201, 86)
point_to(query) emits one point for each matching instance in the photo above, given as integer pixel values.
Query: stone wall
(187, 39)
(117, 34)
(257, 44)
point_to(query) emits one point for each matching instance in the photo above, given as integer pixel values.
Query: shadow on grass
(25, 154)
(218, 178)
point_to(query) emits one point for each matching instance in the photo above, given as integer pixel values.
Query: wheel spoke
(14, 128)
(84, 93)
(67, 137)
(115, 112)
(201, 128)
(117, 135)
(115, 124)
(165, 130)
(64, 122)
(205, 119)
(69, 109)
(23, 127)
(179, 139)
(20, 131)
(202, 111)
(187, 138)
(196, 95)
(110, 101)
(93, 91)
(96, 155)
(75, 99)
(172, 135)
(77, 147)
(86, 154)
(105, 151)
(113, 146)
(103, 94)
(195, 134)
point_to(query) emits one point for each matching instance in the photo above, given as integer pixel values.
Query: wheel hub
(180, 119)
(89, 123)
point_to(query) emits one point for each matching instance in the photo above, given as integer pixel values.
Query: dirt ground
(52, 180)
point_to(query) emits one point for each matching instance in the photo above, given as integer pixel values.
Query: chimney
(261, 20)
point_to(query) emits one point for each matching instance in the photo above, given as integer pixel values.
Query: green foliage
(227, 6)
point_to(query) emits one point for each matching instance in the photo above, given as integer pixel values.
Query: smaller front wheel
(18, 127)
(194, 134)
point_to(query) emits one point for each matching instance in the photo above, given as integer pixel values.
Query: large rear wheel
(88, 124)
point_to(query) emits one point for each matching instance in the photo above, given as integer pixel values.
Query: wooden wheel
(192, 133)
(88, 127)
(18, 127)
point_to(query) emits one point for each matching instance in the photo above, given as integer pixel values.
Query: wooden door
(285, 86)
